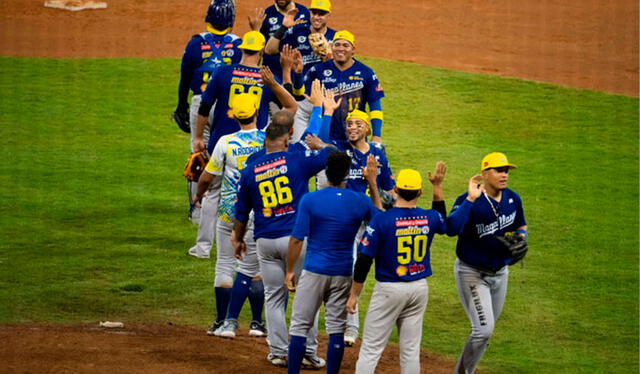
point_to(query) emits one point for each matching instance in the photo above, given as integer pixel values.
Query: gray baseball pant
(301, 120)
(394, 303)
(311, 291)
(482, 295)
(208, 219)
(226, 264)
(272, 254)
(193, 122)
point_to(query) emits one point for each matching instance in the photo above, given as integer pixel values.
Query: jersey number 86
(276, 192)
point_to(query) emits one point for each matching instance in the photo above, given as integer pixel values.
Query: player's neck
(285, 9)
(273, 146)
(361, 145)
(322, 31)
(247, 127)
(344, 66)
(493, 193)
(251, 61)
(400, 203)
(341, 185)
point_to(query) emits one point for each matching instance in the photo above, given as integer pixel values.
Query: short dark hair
(246, 121)
(249, 52)
(338, 165)
(408, 195)
(281, 123)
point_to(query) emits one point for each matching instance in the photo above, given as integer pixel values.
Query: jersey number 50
(275, 193)
(411, 248)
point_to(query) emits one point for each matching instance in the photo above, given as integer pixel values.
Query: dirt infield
(155, 349)
(586, 44)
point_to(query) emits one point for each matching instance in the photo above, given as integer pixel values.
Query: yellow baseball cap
(345, 35)
(324, 5)
(358, 114)
(253, 41)
(409, 179)
(244, 106)
(495, 160)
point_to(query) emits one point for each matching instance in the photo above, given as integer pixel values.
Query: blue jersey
(477, 224)
(227, 82)
(355, 179)
(399, 240)
(298, 37)
(271, 24)
(330, 219)
(204, 53)
(357, 86)
(272, 185)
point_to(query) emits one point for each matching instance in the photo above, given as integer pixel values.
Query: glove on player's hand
(516, 245)
(195, 166)
(182, 120)
(319, 44)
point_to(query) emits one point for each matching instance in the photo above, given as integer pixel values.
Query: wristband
(279, 34)
(523, 232)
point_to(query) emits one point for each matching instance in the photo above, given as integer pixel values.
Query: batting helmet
(221, 14)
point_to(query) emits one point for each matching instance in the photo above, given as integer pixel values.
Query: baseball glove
(182, 120)
(319, 44)
(516, 245)
(195, 166)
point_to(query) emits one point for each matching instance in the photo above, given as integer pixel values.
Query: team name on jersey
(345, 88)
(250, 74)
(502, 222)
(412, 227)
(270, 170)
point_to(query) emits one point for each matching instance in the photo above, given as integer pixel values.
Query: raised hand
(255, 22)
(475, 188)
(316, 97)
(289, 19)
(298, 65)
(329, 102)
(438, 175)
(267, 76)
(287, 57)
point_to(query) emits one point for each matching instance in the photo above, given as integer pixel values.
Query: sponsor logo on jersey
(358, 72)
(510, 201)
(370, 230)
(251, 74)
(205, 47)
(412, 222)
(283, 210)
(266, 212)
(402, 271)
(327, 73)
(416, 269)
(302, 39)
(228, 45)
(354, 78)
(273, 20)
(378, 88)
(230, 53)
(364, 241)
(206, 54)
(274, 164)
(329, 80)
(247, 81)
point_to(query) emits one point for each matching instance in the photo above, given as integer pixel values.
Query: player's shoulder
(511, 194)
(231, 37)
(459, 200)
(302, 10)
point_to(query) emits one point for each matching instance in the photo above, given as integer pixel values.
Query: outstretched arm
(288, 102)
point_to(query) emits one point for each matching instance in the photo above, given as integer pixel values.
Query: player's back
(273, 184)
(334, 217)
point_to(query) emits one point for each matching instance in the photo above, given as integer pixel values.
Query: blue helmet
(221, 14)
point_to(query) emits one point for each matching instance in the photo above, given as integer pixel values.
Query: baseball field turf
(93, 213)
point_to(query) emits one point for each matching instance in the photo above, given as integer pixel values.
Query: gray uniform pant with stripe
(394, 303)
(193, 122)
(272, 254)
(226, 264)
(482, 295)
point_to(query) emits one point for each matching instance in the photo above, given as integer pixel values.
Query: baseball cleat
(216, 325)
(350, 337)
(228, 329)
(257, 329)
(311, 361)
(280, 361)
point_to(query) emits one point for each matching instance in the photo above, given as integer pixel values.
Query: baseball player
(354, 82)
(480, 217)
(269, 22)
(272, 185)
(297, 37)
(329, 219)
(399, 241)
(228, 82)
(203, 54)
(226, 162)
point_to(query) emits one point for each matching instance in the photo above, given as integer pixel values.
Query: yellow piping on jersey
(215, 31)
(376, 114)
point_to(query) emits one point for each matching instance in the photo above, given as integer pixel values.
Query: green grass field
(93, 204)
